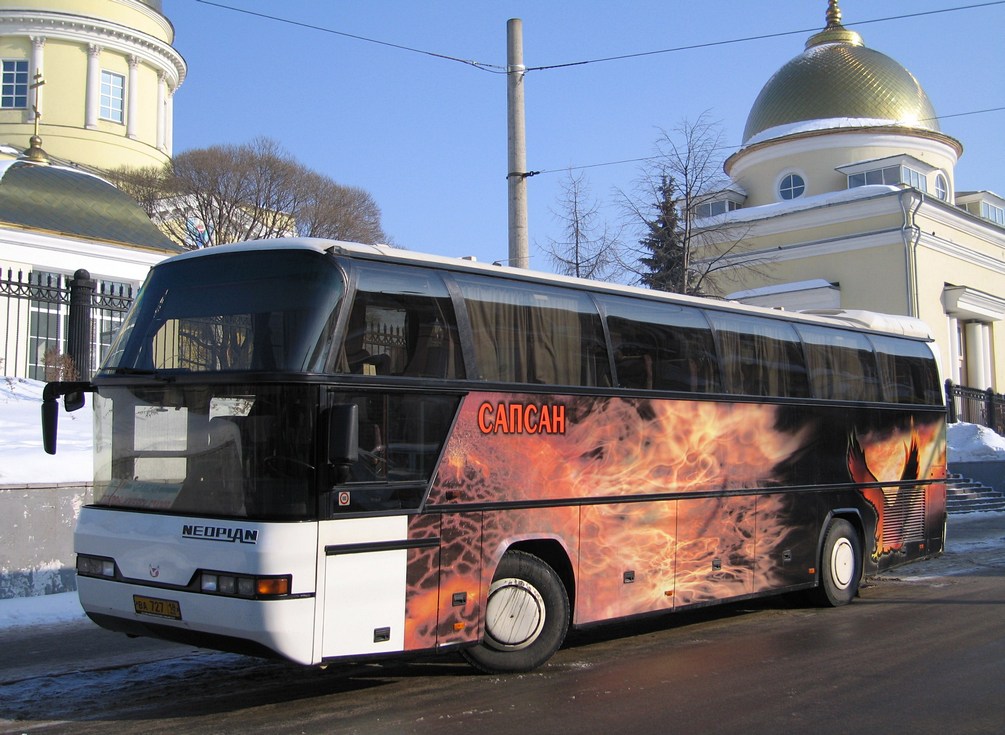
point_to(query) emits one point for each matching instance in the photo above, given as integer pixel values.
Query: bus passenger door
(362, 576)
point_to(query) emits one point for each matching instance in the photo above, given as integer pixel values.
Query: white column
(162, 132)
(35, 65)
(977, 358)
(169, 123)
(93, 102)
(955, 358)
(986, 341)
(132, 98)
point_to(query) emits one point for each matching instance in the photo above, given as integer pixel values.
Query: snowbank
(974, 443)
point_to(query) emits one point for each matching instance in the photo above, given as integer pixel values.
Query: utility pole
(519, 251)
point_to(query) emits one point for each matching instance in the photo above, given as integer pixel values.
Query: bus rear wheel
(840, 564)
(526, 616)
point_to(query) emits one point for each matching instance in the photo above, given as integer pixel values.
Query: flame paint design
(678, 551)
(893, 457)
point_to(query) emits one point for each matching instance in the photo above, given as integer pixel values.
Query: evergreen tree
(666, 264)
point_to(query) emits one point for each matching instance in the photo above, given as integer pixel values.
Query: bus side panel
(422, 594)
(786, 540)
(898, 464)
(626, 562)
(715, 553)
(444, 581)
(552, 533)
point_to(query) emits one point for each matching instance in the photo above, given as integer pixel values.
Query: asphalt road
(921, 651)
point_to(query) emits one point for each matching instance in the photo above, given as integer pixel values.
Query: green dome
(67, 202)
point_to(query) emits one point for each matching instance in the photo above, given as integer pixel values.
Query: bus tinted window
(532, 333)
(661, 346)
(402, 323)
(759, 357)
(841, 364)
(908, 371)
(251, 311)
(400, 438)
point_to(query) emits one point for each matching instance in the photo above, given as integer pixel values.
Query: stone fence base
(36, 537)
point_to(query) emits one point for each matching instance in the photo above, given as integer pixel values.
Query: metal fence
(984, 407)
(57, 327)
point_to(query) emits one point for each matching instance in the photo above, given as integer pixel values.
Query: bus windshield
(261, 311)
(233, 451)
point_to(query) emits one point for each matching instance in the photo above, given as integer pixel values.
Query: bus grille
(904, 516)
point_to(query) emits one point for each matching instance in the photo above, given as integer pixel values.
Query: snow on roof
(778, 288)
(830, 123)
(746, 214)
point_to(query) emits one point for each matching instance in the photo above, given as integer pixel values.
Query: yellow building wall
(131, 15)
(64, 95)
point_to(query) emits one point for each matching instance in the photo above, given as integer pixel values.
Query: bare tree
(686, 175)
(588, 249)
(338, 212)
(230, 193)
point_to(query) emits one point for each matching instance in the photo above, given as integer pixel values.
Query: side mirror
(73, 401)
(50, 418)
(74, 392)
(343, 434)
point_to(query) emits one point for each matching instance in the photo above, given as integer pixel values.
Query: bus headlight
(235, 585)
(95, 566)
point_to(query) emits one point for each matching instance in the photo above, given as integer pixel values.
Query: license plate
(155, 606)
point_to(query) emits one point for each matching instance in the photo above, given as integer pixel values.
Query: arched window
(792, 186)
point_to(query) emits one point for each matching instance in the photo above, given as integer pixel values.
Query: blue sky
(426, 137)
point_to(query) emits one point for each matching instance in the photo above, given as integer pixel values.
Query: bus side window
(529, 333)
(907, 370)
(760, 357)
(402, 323)
(840, 363)
(661, 346)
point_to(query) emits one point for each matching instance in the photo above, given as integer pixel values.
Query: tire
(526, 616)
(840, 565)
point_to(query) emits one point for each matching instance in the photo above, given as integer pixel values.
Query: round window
(792, 186)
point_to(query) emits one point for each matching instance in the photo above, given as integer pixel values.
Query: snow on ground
(64, 607)
(22, 459)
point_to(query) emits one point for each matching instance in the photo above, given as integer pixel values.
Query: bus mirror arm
(73, 399)
(343, 434)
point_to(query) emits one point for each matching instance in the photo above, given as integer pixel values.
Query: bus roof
(852, 318)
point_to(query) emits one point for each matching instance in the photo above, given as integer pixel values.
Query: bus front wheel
(526, 616)
(840, 564)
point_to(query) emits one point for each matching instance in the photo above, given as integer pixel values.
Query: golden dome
(837, 77)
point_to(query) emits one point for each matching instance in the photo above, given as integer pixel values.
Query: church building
(845, 193)
(87, 85)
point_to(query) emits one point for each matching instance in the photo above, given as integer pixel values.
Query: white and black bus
(318, 450)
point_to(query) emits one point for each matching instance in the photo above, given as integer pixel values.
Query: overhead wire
(502, 69)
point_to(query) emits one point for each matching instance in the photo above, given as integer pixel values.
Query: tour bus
(325, 451)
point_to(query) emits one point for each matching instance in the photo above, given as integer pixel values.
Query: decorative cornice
(841, 137)
(945, 214)
(84, 30)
